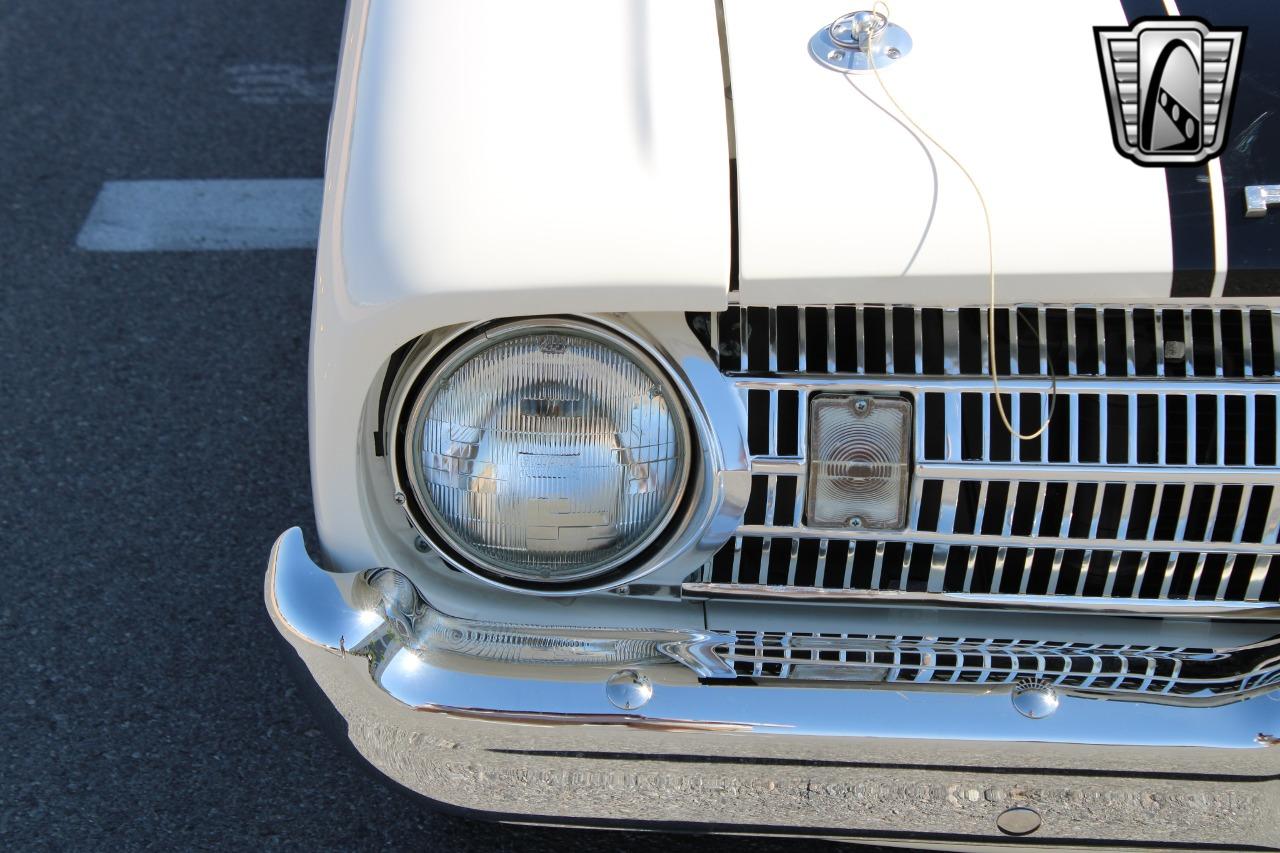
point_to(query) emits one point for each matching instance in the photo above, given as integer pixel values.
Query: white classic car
(661, 474)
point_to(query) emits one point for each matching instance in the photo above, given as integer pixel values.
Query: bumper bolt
(1034, 698)
(628, 689)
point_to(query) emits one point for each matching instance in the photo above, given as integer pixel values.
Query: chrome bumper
(543, 744)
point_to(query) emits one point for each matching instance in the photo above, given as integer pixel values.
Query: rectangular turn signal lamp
(859, 461)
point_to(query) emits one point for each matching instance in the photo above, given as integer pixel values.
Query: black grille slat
(904, 341)
(846, 340)
(1262, 353)
(759, 415)
(788, 422)
(815, 338)
(784, 506)
(759, 321)
(787, 337)
(876, 350)
(1144, 332)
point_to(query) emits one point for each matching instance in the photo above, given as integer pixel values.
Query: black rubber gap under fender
(388, 380)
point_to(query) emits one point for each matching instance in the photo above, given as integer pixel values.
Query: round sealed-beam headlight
(547, 452)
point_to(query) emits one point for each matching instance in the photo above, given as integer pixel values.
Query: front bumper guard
(938, 767)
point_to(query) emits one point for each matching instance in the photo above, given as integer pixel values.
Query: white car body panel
(469, 185)
(833, 192)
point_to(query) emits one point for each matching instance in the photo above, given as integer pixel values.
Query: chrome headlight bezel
(443, 356)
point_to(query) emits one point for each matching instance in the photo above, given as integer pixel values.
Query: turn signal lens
(422, 627)
(515, 644)
(859, 461)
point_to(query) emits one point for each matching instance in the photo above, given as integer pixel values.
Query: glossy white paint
(834, 193)
(484, 162)
(548, 161)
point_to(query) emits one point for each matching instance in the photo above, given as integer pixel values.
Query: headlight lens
(549, 453)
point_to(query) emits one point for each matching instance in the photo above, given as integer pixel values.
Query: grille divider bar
(951, 343)
(831, 339)
(1246, 339)
(820, 573)
(802, 343)
(1258, 578)
(888, 341)
(1131, 363)
(860, 314)
(1159, 346)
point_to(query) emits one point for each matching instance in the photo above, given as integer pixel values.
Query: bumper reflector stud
(628, 689)
(1034, 698)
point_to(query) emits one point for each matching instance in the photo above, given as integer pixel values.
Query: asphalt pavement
(153, 443)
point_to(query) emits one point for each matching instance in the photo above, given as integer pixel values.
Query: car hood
(589, 167)
(841, 199)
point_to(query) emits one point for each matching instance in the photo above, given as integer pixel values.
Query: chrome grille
(1148, 672)
(1156, 479)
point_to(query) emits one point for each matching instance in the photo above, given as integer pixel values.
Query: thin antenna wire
(991, 255)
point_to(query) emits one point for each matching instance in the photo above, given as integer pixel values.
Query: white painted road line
(217, 215)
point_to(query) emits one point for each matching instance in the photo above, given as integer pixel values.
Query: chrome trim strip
(1257, 198)
(961, 540)
(1090, 473)
(1055, 472)
(1164, 608)
(1168, 386)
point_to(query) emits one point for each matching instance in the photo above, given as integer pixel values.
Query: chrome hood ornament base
(843, 45)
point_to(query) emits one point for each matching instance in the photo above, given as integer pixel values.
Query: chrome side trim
(1097, 543)
(1053, 472)
(1094, 605)
(1258, 198)
(1086, 473)
(900, 383)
